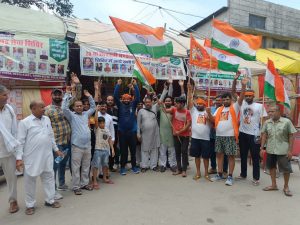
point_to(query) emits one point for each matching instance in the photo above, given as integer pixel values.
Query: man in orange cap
(200, 143)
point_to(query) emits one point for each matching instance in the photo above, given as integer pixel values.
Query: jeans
(246, 142)
(181, 148)
(127, 139)
(213, 162)
(61, 167)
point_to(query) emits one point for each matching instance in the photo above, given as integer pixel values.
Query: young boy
(101, 154)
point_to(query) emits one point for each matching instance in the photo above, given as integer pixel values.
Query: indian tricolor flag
(225, 37)
(143, 74)
(142, 39)
(226, 60)
(274, 87)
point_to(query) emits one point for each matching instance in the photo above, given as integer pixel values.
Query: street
(156, 198)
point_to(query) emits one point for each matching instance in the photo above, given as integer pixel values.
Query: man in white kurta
(37, 143)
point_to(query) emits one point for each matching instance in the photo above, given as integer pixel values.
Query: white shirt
(250, 117)
(200, 125)
(225, 127)
(37, 142)
(6, 119)
(109, 124)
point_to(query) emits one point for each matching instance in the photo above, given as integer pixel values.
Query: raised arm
(233, 88)
(136, 92)
(66, 103)
(170, 92)
(190, 96)
(92, 109)
(181, 84)
(242, 95)
(117, 93)
(97, 87)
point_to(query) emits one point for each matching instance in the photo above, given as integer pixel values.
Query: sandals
(184, 174)
(287, 192)
(30, 211)
(13, 207)
(53, 205)
(108, 182)
(87, 187)
(77, 192)
(207, 177)
(176, 173)
(96, 186)
(270, 188)
(196, 177)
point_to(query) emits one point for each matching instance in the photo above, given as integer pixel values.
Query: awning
(288, 62)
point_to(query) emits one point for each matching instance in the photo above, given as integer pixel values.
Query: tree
(62, 7)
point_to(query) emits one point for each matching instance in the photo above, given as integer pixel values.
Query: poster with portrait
(33, 57)
(219, 80)
(100, 62)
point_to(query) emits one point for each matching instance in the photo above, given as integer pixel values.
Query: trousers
(181, 148)
(149, 158)
(163, 150)
(81, 161)
(127, 140)
(8, 165)
(247, 142)
(48, 182)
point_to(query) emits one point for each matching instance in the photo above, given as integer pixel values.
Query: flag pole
(210, 65)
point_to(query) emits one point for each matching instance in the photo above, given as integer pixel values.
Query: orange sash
(234, 120)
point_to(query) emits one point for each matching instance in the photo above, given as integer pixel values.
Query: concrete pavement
(156, 198)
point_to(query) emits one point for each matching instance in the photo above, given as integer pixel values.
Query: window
(280, 44)
(257, 21)
(264, 42)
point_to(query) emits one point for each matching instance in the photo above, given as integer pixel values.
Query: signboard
(100, 62)
(219, 80)
(33, 57)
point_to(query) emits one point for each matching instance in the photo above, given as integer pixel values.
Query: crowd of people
(93, 135)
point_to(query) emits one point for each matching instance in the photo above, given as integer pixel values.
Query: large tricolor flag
(200, 57)
(226, 60)
(143, 74)
(274, 87)
(225, 37)
(142, 39)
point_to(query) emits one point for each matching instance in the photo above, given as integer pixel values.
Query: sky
(153, 16)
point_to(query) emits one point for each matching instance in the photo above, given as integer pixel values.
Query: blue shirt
(81, 134)
(127, 118)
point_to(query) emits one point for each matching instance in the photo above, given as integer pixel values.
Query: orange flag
(200, 57)
(148, 76)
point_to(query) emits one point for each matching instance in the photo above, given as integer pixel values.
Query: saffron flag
(226, 60)
(200, 57)
(141, 39)
(274, 87)
(225, 37)
(143, 74)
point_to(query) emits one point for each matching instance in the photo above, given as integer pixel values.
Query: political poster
(33, 57)
(111, 63)
(219, 80)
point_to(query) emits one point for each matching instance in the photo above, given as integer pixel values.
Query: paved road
(155, 198)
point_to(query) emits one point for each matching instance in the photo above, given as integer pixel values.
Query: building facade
(279, 25)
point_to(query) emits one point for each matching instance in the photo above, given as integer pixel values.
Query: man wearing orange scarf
(227, 131)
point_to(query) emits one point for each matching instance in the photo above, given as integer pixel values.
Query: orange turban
(249, 93)
(201, 101)
(126, 97)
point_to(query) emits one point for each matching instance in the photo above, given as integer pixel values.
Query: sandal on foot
(96, 186)
(207, 177)
(184, 174)
(108, 182)
(177, 173)
(287, 192)
(77, 192)
(30, 211)
(87, 187)
(270, 188)
(54, 205)
(13, 207)
(196, 177)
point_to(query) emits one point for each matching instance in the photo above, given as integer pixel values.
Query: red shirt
(179, 120)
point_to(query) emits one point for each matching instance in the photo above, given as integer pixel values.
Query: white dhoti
(149, 158)
(8, 165)
(48, 182)
(163, 156)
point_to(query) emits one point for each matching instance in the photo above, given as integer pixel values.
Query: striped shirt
(59, 123)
